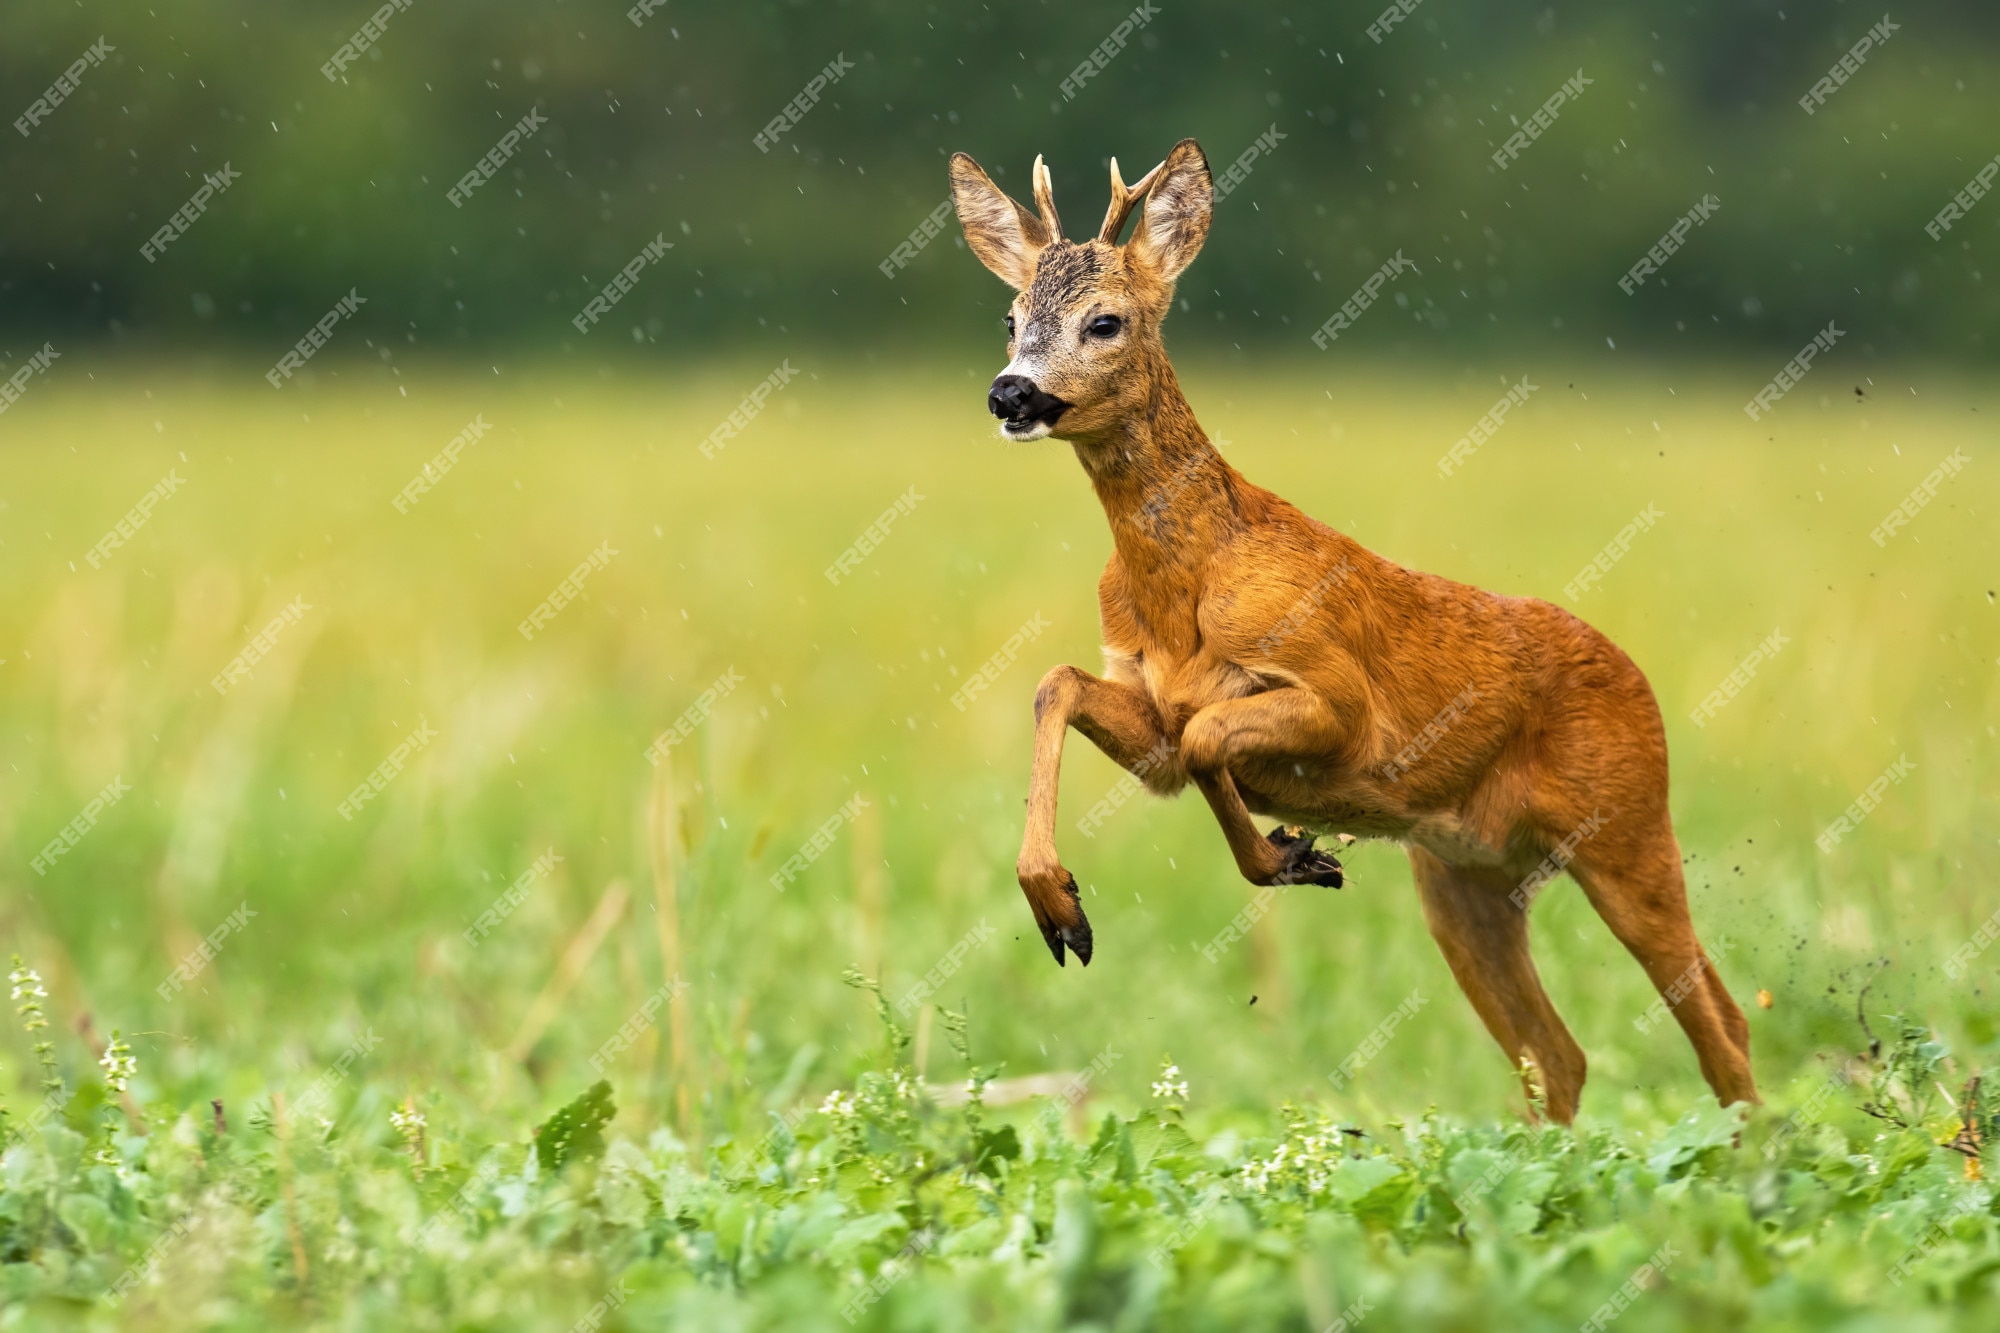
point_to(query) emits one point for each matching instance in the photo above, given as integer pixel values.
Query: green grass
(847, 689)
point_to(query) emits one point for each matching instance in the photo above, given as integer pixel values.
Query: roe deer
(1287, 671)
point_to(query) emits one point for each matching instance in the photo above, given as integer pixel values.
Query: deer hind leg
(1484, 938)
(1643, 899)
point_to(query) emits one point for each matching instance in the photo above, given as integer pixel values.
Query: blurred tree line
(651, 130)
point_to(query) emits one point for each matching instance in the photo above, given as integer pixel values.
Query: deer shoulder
(1288, 603)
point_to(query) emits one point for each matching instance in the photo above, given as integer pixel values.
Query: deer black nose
(1010, 396)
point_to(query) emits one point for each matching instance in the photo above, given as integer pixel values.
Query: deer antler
(1045, 201)
(1123, 200)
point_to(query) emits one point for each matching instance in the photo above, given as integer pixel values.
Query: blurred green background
(719, 566)
(650, 129)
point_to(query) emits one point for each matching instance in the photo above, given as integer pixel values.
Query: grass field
(711, 1198)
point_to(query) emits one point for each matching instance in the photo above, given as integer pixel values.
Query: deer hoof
(1303, 863)
(1076, 936)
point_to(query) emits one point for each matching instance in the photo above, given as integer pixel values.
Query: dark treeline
(650, 130)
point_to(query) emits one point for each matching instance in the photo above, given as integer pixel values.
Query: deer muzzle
(1021, 405)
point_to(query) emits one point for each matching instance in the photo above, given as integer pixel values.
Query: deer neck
(1166, 491)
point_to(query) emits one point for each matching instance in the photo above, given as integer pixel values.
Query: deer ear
(1175, 220)
(1007, 238)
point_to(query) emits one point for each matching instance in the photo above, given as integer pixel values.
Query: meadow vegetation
(675, 1084)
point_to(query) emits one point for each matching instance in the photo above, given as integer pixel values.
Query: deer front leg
(1121, 722)
(1278, 724)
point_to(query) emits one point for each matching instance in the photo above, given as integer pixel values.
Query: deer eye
(1010, 326)
(1105, 326)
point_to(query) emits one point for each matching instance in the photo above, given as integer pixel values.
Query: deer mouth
(1025, 412)
(1032, 428)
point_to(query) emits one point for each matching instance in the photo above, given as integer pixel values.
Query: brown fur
(1288, 666)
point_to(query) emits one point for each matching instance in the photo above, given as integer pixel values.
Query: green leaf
(87, 1216)
(1707, 1126)
(1114, 1142)
(1073, 1244)
(992, 1146)
(576, 1132)
(1375, 1189)
(1160, 1142)
(853, 1238)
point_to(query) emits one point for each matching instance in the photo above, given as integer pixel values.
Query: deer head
(1083, 335)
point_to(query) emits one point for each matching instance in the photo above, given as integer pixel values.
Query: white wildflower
(27, 982)
(119, 1063)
